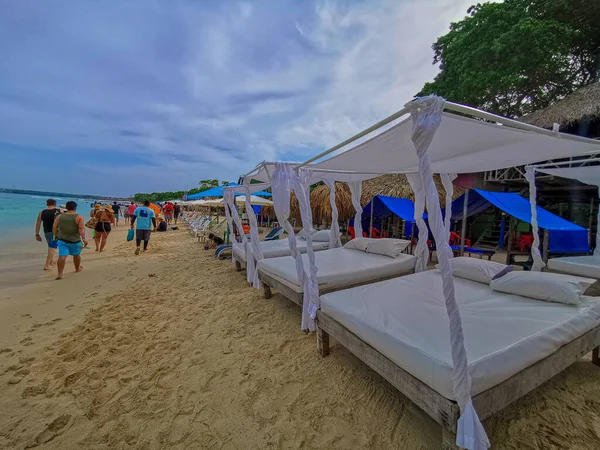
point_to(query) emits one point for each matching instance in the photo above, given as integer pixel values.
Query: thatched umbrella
(392, 185)
(583, 104)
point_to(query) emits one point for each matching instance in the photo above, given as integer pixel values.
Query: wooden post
(596, 356)
(448, 440)
(591, 222)
(464, 222)
(322, 342)
(510, 240)
(267, 293)
(371, 221)
(545, 246)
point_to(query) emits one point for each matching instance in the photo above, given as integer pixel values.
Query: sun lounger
(274, 249)
(339, 268)
(399, 328)
(583, 266)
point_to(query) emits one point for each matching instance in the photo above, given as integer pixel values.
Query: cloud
(156, 95)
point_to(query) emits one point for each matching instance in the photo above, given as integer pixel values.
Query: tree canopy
(518, 56)
(204, 185)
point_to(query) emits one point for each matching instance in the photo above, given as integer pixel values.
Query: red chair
(525, 243)
(376, 234)
(352, 234)
(455, 239)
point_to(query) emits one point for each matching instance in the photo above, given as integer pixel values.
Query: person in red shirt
(168, 212)
(130, 210)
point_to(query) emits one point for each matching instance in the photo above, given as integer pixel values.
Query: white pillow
(358, 244)
(385, 246)
(321, 236)
(476, 269)
(551, 287)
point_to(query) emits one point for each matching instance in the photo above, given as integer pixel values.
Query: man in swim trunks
(130, 210)
(46, 217)
(116, 207)
(168, 212)
(69, 231)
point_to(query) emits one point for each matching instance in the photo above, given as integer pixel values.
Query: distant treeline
(178, 195)
(55, 194)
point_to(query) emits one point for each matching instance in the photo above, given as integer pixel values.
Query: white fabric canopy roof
(460, 145)
(241, 199)
(586, 174)
(254, 187)
(264, 172)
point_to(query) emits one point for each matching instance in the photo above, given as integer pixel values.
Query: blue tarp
(218, 192)
(565, 236)
(384, 207)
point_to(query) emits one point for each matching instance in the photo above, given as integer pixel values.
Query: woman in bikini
(106, 218)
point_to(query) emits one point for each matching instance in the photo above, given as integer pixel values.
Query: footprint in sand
(27, 316)
(32, 391)
(70, 306)
(27, 341)
(18, 376)
(5, 350)
(98, 286)
(55, 428)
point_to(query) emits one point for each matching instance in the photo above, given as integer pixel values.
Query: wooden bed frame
(446, 412)
(270, 283)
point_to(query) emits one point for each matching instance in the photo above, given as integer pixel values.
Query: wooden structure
(444, 411)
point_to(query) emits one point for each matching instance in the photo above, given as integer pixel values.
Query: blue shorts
(50, 240)
(67, 248)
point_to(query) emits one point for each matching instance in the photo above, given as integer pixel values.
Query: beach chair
(222, 251)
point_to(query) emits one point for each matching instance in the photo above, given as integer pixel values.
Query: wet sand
(192, 358)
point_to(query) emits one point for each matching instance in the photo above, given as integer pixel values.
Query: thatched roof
(390, 185)
(582, 104)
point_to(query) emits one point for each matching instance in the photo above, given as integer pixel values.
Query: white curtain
(229, 200)
(253, 250)
(310, 301)
(356, 191)
(447, 179)
(281, 184)
(422, 250)
(426, 115)
(335, 237)
(538, 263)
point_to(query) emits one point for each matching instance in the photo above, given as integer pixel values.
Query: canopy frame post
(464, 222)
(371, 221)
(546, 246)
(591, 222)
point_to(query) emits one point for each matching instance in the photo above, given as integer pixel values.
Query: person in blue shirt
(146, 223)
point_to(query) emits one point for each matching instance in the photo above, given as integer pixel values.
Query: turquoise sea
(18, 213)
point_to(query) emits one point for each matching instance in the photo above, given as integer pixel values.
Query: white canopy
(196, 202)
(254, 187)
(585, 174)
(460, 145)
(241, 199)
(265, 170)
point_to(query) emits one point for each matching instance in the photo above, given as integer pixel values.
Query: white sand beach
(192, 358)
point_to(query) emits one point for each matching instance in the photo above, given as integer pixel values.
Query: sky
(116, 97)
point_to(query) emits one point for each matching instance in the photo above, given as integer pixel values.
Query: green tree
(208, 184)
(514, 57)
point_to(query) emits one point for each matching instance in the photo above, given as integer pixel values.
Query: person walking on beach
(168, 212)
(176, 212)
(105, 218)
(146, 223)
(69, 231)
(46, 218)
(130, 210)
(116, 208)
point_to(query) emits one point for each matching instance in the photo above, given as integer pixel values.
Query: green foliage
(514, 57)
(164, 196)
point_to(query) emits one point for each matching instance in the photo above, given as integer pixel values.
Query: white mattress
(280, 247)
(405, 319)
(583, 266)
(338, 267)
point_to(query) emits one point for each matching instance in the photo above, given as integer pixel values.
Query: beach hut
(578, 113)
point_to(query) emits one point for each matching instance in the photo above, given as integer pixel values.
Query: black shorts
(103, 227)
(143, 235)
